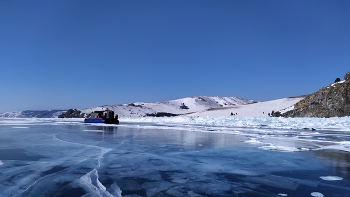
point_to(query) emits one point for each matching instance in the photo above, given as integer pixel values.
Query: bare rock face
(330, 101)
(347, 76)
(71, 113)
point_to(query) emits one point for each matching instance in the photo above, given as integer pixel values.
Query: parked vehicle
(106, 116)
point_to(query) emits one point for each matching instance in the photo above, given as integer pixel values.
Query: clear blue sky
(64, 54)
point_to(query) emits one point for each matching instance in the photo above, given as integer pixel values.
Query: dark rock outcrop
(72, 113)
(330, 101)
(183, 106)
(162, 114)
(347, 76)
(275, 114)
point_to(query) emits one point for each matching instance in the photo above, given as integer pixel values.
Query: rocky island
(330, 101)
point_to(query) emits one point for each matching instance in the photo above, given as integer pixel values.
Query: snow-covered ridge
(257, 109)
(33, 114)
(141, 109)
(198, 106)
(186, 105)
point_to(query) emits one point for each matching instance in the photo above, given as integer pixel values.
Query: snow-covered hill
(33, 114)
(186, 105)
(198, 106)
(258, 109)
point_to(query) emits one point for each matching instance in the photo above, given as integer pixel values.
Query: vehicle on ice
(106, 116)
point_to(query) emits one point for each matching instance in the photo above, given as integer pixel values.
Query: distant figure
(231, 114)
(263, 112)
(236, 113)
(337, 80)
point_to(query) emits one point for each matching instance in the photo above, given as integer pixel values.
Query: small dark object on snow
(337, 80)
(183, 106)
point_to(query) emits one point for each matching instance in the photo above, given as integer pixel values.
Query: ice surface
(115, 190)
(331, 178)
(335, 123)
(94, 187)
(261, 130)
(61, 157)
(344, 146)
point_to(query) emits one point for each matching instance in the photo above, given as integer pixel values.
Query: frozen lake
(56, 158)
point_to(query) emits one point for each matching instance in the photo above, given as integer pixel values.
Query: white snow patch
(20, 127)
(98, 131)
(253, 141)
(280, 148)
(333, 84)
(331, 178)
(317, 194)
(344, 146)
(282, 194)
(1, 163)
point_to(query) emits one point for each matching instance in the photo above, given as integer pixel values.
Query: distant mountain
(33, 114)
(182, 106)
(330, 101)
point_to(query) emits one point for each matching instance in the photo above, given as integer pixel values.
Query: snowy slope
(180, 106)
(259, 109)
(15, 114)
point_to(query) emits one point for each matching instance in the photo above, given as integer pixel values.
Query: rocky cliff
(330, 101)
